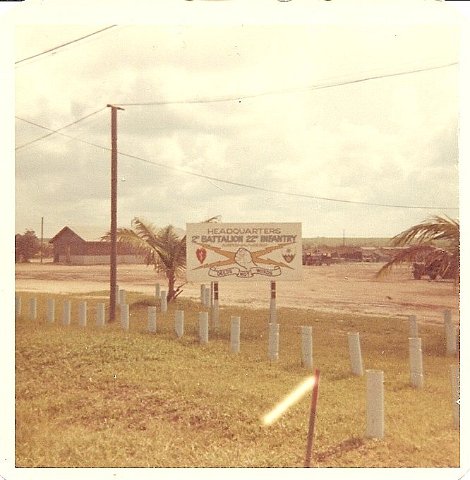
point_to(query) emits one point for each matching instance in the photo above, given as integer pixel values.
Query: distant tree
(26, 246)
(421, 245)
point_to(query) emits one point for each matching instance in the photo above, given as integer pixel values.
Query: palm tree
(420, 241)
(163, 248)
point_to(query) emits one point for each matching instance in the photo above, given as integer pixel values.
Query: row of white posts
(66, 311)
(374, 378)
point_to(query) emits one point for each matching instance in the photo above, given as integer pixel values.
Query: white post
(125, 316)
(117, 295)
(203, 327)
(82, 314)
(122, 297)
(157, 291)
(272, 304)
(33, 308)
(413, 326)
(211, 304)
(235, 334)
(17, 305)
(215, 306)
(451, 336)
(355, 354)
(50, 310)
(66, 312)
(152, 319)
(455, 386)
(207, 297)
(416, 363)
(273, 342)
(202, 293)
(374, 403)
(307, 347)
(100, 307)
(163, 302)
(179, 323)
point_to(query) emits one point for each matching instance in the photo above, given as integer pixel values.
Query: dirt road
(349, 287)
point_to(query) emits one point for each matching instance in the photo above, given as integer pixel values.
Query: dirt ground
(349, 287)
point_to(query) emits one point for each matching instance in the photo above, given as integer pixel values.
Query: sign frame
(243, 252)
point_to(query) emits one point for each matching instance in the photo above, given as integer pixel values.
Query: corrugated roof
(89, 233)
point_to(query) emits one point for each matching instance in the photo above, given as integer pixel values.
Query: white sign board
(243, 251)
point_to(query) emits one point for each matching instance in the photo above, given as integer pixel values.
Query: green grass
(103, 397)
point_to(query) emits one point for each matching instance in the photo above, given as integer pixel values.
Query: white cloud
(381, 141)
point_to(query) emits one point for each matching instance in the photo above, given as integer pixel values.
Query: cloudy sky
(292, 124)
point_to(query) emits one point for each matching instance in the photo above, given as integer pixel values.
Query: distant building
(82, 246)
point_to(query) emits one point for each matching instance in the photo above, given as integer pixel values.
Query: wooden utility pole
(113, 259)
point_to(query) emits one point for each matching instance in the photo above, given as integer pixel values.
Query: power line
(55, 131)
(64, 45)
(245, 185)
(256, 95)
(285, 91)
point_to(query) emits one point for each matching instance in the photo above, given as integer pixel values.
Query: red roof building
(72, 248)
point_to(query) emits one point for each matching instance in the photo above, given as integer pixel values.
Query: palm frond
(146, 230)
(436, 228)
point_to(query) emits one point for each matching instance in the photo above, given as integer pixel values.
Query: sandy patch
(349, 287)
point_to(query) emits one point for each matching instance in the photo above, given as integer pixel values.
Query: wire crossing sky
(50, 50)
(228, 182)
(341, 127)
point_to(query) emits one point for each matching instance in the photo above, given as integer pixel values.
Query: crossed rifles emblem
(248, 261)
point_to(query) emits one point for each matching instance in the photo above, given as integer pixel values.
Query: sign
(243, 251)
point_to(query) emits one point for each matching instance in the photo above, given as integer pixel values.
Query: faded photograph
(238, 245)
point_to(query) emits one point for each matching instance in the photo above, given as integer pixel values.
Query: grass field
(88, 397)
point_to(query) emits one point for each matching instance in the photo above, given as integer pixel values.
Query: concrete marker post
(215, 306)
(455, 389)
(272, 304)
(416, 363)
(307, 346)
(50, 314)
(66, 312)
(117, 296)
(207, 297)
(203, 327)
(374, 403)
(122, 297)
(157, 291)
(202, 293)
(82, 314)
(152, 319)
(413, 326)
(450, 333)
(125, 316)
(273, 342)
(33, 308)
(235, 334)
(163, 302)
(355, 354)
(100, 319)
(17, 305)
(179, 323)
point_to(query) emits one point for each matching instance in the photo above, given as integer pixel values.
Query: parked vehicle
(431, 269)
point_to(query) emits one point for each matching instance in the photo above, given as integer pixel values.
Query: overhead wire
(285, 91)
(52, 132)
(240, 184)
(64, 45)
